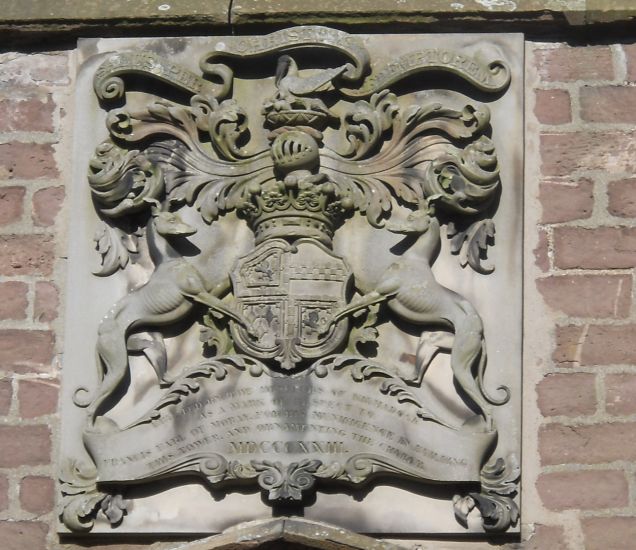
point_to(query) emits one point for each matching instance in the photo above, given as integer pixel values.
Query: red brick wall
(580, 322)
(582, 192)
(35, 93)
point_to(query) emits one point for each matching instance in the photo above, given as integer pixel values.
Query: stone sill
(29, 19)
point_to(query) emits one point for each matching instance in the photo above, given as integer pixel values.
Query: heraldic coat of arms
(288, 200)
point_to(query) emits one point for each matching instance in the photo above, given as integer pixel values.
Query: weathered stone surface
(26, 350)
(47, 301)
(20, 160)
(6, 395)
(588, 295)
(4, 492)
(13, 300)
(613, 533)
(24, 446)
(608, 104)
(563, 64)
(26, 115)
(81, 19)
(553, 106)
(584, 490)
(37, 494)
(595, 248)
(620, 393)
(622, 198)
(587, 444)
(11, 204)
(37, 397)
(567, 394)
(47, 204)
(26, 255)
(541, 252)
(569, 340)
(18, 535)
(566, 201)
(283, 533)
(609, 344)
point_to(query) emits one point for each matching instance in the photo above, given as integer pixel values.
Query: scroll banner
(493, 76)
(108, 84)
(310, 36)
(219, 424)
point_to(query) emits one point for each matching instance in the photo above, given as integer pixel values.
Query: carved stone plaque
(285, 290)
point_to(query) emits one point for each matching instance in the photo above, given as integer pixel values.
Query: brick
(564, 202)
(612, 533)
(24, 446)
(32, 70)
(593, 444)
(6, 394)
(26, 255)
(620, 393)
(566, 64)
(37, 397)
(547, 537)
(23, 535)
(13, 300)
(47, 204)
(26, 115)
(568, 342)
(595, 248)
(564, 153)
(11, 204)
(609, 345)
(583, 490)
(37, 494)
(621, 196)
(47, 302)
(571, 394)
(552, 106)
(26, 350)
(588, 295)
(630, 55)
(541, 255)
(27, 161)
(610, 104)
(4, 492)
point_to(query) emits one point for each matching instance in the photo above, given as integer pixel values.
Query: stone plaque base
(288, 534)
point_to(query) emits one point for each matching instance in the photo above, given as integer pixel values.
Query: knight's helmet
(300, 201)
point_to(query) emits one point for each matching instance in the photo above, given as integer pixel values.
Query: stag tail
(480, 378)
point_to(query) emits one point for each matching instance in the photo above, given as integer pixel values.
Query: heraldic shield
(289, 295)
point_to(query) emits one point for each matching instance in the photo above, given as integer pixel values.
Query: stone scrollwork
(291, 313)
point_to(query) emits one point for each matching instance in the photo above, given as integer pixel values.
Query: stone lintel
(28, 19)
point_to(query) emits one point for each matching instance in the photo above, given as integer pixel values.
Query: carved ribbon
(300, 37)
(109, 85)
(488, 77)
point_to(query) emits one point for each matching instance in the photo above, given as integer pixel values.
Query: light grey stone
(293, 305)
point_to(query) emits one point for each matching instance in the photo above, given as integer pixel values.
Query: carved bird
(289, 84)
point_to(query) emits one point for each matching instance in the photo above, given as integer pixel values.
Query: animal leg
(430, 344)
(112, 357)
(465, 353)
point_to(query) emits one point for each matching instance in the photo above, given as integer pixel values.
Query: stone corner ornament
(293, 305)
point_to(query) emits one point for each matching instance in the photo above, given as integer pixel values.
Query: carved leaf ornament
(271, 318)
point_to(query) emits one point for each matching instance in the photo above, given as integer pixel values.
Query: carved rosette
(293, 313)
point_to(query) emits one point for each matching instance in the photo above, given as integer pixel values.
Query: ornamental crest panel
(298, 303)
